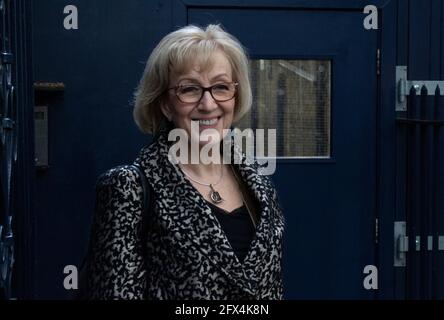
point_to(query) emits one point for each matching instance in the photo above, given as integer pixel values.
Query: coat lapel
(190, 215)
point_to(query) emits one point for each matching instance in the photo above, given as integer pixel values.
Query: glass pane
(293, 97)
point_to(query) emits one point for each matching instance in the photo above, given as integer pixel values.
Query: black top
(238, 228)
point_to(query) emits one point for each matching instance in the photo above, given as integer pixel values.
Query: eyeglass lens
(193, 93)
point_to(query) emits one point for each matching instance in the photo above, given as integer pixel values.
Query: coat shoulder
(116, 189)
(116, 176)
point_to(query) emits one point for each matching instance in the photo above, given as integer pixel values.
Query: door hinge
(403, 87)
(401, 243)
(378, 62)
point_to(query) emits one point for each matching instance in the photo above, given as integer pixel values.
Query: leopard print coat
(184, 254)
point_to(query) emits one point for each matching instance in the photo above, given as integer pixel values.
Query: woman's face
(207, 113)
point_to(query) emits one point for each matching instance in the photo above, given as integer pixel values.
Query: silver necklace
(214, 195)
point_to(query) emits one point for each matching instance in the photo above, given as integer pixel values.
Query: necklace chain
(205, 184)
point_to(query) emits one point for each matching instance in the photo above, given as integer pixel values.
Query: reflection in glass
(293, 97)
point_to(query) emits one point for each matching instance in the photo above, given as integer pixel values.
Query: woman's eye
(222, 87)
(189, 89)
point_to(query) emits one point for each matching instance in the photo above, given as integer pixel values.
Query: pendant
(215, 196)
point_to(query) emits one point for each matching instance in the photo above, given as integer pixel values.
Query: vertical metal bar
(422, 194)
(409, 200)
(437, 114)
(439, 187)
(413, 198)
(426, 253)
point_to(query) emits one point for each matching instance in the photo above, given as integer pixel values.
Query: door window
(293, 97)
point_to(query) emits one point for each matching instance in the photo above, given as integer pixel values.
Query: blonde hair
(174, 53)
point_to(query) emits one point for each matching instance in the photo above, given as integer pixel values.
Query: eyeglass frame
(205, 89)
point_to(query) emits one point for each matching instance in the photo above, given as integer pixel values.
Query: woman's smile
(207, 123)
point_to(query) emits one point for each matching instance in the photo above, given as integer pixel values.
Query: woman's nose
(207, 102)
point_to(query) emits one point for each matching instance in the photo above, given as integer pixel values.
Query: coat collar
(190, 213)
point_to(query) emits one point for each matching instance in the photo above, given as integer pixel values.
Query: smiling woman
(211, 106)
(212, 230)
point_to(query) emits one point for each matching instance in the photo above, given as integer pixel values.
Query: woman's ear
(166, 110)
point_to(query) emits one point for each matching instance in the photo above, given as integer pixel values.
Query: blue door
(318, 68)
(314, 71)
